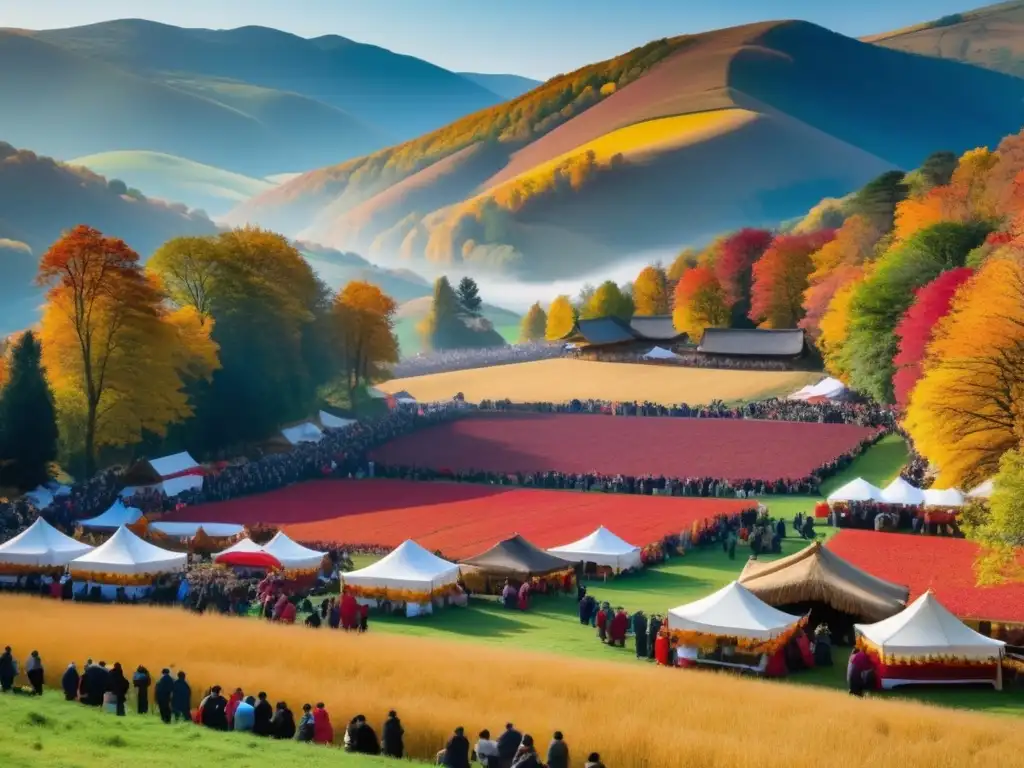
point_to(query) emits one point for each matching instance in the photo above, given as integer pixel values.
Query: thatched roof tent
(817, 575)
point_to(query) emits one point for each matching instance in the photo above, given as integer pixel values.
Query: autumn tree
(608, 301)
(442, 329)
(561, 319)
(1006, 524)
(650, 291)
(936, 171)
(28, 418)
(877, 200)
(187, 267)
(469, 297)
(834, 328)
(883, 298)
(534, 324)
(687, 259)
(735, 265)
(931, 303)
(116, 361)
(364, 319)
(780, 278)
(964, 413)
(830, 213)
(700, 303)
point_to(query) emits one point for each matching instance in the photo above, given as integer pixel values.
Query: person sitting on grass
(486, 750)
(70, 682)
(245, 715)
(282, 724)
(323, 731)
(456, 752)
(558, 752)
(213, 710)
(594, 761)
(508, 744)
(391, 736)
(526, 755)
(307, 726)
(365, 738)
(264, 713)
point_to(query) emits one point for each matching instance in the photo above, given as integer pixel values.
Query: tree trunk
(90, 441)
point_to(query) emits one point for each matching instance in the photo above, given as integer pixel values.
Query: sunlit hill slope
(743, 125)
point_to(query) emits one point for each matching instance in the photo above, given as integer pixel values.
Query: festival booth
(125, 560)
(172, 475)
(828, 389)
(306, 432)
(733, 628)
(39, 549)
(659, 353)
(603, 549)
(409, 574)
(816, 582)
(517, 561)
(927, 645)
(330, 421)
(116, 516)
(297, 560)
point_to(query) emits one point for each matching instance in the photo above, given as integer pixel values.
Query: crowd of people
(463, 359)
(687, 358)
(109, 688)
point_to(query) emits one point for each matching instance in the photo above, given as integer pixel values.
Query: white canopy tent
(603, 548)
(116, 516)
(732, 611)
(950, 497)
(330, 421)
(170, 470)
(306, 432)
(409, 567)
(658, 353)
(856, 490)
(125, 554)
(899, 491)
(983, 491)
(291, 555)
(41, 497)
(829, 388)
(41, 546)
(244, 545)
(174, 464)
(927, 628)
(188, 530)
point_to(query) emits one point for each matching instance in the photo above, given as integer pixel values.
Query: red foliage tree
(735, 263)
(914, 332)
(780, 278)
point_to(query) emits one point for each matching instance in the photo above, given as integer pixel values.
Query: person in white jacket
(486, 750)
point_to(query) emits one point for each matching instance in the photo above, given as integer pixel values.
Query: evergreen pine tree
(28, 419)
(469, 297)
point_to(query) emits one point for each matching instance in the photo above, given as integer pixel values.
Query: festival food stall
(125, 560)
(117, 515)
(518, 561)
(732, 628)
(926, 644)
(409, 574)
(39, 549)
(172, 475)
(602, 548)
(832, 591)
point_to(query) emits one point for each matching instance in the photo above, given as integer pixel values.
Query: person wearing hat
(391, 735)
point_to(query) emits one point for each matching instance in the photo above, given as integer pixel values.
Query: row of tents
(901, 493)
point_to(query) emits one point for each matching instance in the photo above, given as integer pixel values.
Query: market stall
(517, 561)
(602, 548)
(926, 644)
(732, 628)
(38, 549)
(409, 575)
(125, 561)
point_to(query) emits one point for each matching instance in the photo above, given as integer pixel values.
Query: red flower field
(941, 564)
(735, 449)
(459, 520)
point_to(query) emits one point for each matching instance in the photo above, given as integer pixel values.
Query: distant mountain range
(253, 100)
(666, 145)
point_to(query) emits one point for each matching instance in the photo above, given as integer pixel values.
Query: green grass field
(48, 731)
(410, 313)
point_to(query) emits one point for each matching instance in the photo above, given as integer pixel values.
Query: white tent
(174, 464)
(732, 611)
(661, 354)
(172, 482)
(126, 554)
(899, 491)
(950, 497)
(306, 432)
(41, 497)
(409, 567)
(927, 628)
(41, 546)
(603, 548)
(983, 491)
(291, 555)
(245, 545)
(829, 388)
(330, 421)
(116, 516)
(188, 530)
(856, 490)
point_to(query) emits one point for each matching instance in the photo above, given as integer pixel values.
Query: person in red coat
(602, 624)
(662, 650)
(619, 625)
(323, 731)
(349, 611)
(524, 596)
(288, 613)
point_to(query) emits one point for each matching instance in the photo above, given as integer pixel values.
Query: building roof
(605, 330)
(756, 342)
(655, 327)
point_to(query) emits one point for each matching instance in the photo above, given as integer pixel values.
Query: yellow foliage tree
(118, 361)
(940, 204)
(534, 324)
(965, 412)
(561, 319)
(650, 292)
(971, 180)
(835, 328)
(365, 321)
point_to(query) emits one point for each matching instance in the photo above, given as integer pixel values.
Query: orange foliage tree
(781, 277)
(700, 302)
(365, 321)
(116, 357)
(834, 329)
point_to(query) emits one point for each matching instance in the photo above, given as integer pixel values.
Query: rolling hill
(337, 268)
(411, 313)
(750, 124)
(991, 37)
(176, 179)
(254, 100)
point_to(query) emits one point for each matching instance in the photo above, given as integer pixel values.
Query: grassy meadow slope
(739, 126)
(991, 37)
(177, 179)
(411, 313)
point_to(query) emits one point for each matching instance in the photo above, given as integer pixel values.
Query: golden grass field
(636, 719)
(565, 379)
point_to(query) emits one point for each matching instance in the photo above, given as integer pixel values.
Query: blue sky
(536, 38)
